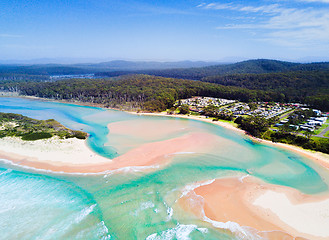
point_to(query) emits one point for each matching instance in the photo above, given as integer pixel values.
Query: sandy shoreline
(271, 211)
(318, 157)
(74, 156)
(52, 151)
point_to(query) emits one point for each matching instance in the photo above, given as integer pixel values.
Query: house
(294, 126)
(321, 119)
(317, 112)
(311, 123)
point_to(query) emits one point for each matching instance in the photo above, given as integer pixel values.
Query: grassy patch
(324, 126)
(326, 134)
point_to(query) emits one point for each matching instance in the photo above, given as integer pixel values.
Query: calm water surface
(133, 203)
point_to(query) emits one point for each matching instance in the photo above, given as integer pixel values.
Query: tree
(255, 125)
(308, 134)
(252, 106)
(210, 110)
(184, 109)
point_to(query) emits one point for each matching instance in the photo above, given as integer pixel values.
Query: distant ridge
(84, 68)
(257, 66)
(195, 70)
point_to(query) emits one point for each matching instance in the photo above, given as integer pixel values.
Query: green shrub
(80, 135)
(36, 136)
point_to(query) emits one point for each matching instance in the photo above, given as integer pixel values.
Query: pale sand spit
(73, 156)
(53, 151)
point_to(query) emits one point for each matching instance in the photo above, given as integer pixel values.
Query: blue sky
(164, 29)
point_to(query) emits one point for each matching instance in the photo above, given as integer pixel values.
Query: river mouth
(137, 199)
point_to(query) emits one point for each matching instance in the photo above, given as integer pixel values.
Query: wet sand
(78, 158)
(318, 157)
(271, 211)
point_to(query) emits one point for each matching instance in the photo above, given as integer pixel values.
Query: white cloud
(318, 1)
(272, 8)
(5, 35)
(282, 25)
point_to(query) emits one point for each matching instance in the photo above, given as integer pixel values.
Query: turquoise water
(133, 203)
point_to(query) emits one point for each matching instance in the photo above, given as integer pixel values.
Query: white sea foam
(170, 212)
(243, 177)
(130, 170)
(239, 231)
(180, 232)
(178, 153)
(189, 188)
(104, 231)
(105, 173)
(84, 213)
(143, 206)
(5, 172)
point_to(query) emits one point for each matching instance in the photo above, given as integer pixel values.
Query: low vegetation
(29, 129)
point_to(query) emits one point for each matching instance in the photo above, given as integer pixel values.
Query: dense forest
(306, 83)
(311, 87)
(253, 80)
(135, 91)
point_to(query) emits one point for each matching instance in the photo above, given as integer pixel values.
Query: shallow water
(135, 202)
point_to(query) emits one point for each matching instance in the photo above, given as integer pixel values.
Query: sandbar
(73, 155)
(318, 157)
(266, 210)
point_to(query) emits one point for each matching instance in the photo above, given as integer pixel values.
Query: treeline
(310, 87)
(143, 92)
(9, 77)
(43, 69)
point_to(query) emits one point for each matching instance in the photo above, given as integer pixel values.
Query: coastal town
(283, 113)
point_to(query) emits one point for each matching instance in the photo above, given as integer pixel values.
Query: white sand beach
(308, 218)
(54, 151)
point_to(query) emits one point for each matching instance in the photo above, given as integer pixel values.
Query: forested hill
(183, 69)
(42, 70)
(246, 81)
(303, 86)
(307, 83)
(135, 91)
(258, 66)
